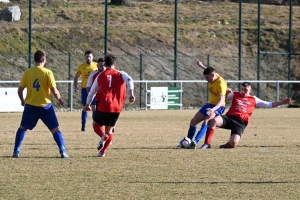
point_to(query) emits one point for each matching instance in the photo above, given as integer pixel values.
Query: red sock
(98, 129)
(107, 142)
(208, 136)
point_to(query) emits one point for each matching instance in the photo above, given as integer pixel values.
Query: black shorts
(236, 125)
(106, 118)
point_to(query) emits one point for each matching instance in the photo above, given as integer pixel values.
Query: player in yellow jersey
(39, 81)
(84, 70)
(215, 106)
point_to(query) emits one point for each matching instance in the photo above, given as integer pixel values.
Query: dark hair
(109, 60)
(100, 60)
(87, 53)
(39, 56)
(245, 84)
(208, 70)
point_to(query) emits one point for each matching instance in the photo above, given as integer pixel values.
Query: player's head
(39, 56)
(100, 65)
(246, 88)
(110, 60)
(209, 74)
(88, 57)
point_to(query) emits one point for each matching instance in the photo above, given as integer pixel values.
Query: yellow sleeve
(51, 80)
(222, 88)
(78, 71)
(23, 80)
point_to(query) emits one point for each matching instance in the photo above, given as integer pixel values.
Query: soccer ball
(185, 142)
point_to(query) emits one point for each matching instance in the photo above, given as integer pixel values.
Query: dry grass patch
(143, 163)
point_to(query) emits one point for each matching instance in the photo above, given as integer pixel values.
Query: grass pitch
(143, 162)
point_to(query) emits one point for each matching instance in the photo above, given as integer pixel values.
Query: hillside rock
(11, 14)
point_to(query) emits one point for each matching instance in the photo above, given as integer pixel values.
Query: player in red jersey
(237, 117)
(92, 77)
(112, 92)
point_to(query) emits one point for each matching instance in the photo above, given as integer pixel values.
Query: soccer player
(90, 82)
(237, 117)
(84, 71)
(39, 81)
(112, 89)
(215, 106)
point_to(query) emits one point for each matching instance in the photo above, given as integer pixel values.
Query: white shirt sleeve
(128, 80)
(262, 104)
(94, 89)
(90, 79)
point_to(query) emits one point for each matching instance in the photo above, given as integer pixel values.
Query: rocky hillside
(206, 30)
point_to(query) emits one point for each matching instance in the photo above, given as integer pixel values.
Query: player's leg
(84, 114)
(237, 128)
(98, 129)
(204, 127)
(48, 116)
(202, 131)
(106, 140)
(109, 120)
(21, 132)
(29, 121)
(199, 116)
(218, 121)
(93, 106)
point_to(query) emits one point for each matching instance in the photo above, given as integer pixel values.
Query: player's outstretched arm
(56, 94)
(200, 64)
(286, 100)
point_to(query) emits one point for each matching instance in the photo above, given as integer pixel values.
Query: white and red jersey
(91, 80)
(243, 106)
(111, 85)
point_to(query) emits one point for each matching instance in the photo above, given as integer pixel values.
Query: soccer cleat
(205, 146)
(64, 155)
(101, 155)
(193, 145)
(104, 138)
(223, 146)
(16, 155)
(83, 128)
(100, 145)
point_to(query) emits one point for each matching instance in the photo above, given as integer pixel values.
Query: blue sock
(201, 133)
(59, 141)
(191, 132)
(84, 116)
(19, 139)
(94, 114)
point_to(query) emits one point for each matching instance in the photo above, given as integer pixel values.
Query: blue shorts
(84, 95)
(32, 114)
(203, 110)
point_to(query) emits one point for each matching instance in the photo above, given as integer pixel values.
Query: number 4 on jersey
(36, 84)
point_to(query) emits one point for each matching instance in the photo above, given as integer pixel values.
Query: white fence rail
(180, 82)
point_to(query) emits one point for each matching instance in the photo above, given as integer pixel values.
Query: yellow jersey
(85, 70)
(38, 81)
(216, 88)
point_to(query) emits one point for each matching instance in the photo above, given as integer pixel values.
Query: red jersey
(112, 91)
(242, 106)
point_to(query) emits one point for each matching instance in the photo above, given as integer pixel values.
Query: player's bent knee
(54, 130)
